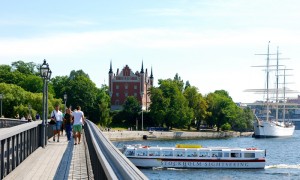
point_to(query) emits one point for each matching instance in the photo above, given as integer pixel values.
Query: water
(282, 162)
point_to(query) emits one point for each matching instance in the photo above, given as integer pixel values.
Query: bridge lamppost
(65, 98)
(1, 97)
(45, 73)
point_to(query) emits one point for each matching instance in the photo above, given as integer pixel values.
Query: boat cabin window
(180, 153)
(154, 153)
(226, 154)
(141, 153)
(129, 153)
(249, 155)
(235, 155)
(192, 153)
(167, 153)
(204, 154)
(216, 154)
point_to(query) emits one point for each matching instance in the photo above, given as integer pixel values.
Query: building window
(126, 86)
(117, 94)
(117, 86)
(126, 94)
(135, 94)
(117, 102)
(135, 86)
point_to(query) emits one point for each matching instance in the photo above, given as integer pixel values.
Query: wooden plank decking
(58, 160)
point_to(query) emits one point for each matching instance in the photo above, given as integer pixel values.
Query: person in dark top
(37, 117)
(68, 123)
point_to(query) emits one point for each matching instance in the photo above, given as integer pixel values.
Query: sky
(210, 43)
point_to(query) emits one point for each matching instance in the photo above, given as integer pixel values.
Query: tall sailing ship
(267, 125)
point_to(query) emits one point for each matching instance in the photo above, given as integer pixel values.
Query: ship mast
(268, 66)
(277, 81)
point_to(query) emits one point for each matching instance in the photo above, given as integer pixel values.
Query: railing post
(18, 149)
(2, 159)
(13, 164)
(7, 155)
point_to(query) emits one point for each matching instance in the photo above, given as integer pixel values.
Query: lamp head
(44, 69)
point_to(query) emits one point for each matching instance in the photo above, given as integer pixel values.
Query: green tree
(159, 106)
(32, 83)
(60, 85)
(83, 92)
(10, 77)
(17, 100)
(197, 103)
(103, 100)
(131, 108)
(175, 110)
(220, 105)
(25, 68)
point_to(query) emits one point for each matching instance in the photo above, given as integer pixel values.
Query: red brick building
(126, 83)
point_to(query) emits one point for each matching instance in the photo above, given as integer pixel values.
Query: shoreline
(139, 135)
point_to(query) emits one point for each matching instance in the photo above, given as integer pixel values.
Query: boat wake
(172, 169)
(284, 166)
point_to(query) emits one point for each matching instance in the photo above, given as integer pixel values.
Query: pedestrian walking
(37, 117)
(68, 123)
(77, 124)
(57, 116)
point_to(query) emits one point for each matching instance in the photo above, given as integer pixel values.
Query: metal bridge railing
(107, 161)
(17, 143)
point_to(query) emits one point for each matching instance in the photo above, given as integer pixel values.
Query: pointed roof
(151, 75)
(110, 69)
(142, 69)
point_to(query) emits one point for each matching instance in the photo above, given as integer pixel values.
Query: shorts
(57, 126)
(77, 128)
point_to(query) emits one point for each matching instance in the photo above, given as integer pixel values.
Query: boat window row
(189, 153)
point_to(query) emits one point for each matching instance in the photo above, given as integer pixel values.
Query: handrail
(12, 131)
(114, 163)
(17, 143)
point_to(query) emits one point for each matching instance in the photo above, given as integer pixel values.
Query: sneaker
(54, 139)
(58, 140)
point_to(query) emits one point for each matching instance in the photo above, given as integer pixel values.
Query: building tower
(142, 78)
(126, 83)
(110, 77)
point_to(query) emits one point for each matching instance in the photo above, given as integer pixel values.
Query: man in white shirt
(77, 124)
(57, 116)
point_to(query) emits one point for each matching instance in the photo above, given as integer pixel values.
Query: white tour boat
(194, 156)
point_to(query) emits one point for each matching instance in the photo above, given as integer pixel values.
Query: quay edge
(138, 135)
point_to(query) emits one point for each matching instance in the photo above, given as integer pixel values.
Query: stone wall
(137, 135)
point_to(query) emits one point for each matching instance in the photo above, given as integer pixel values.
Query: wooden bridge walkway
(58, 160)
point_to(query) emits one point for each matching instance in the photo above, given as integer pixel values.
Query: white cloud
(142, 38)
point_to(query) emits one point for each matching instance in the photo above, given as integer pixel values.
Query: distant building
(294, 101)
(126, 83)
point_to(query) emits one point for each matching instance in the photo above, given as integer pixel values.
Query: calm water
(283, 159)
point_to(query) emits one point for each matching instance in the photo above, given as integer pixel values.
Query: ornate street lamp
(45, 73)
(1, 97)
(65, 98)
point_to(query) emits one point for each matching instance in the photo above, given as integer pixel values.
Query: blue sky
(211, 43)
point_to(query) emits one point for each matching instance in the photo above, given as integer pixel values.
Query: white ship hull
(196, 163)
(271, 129)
